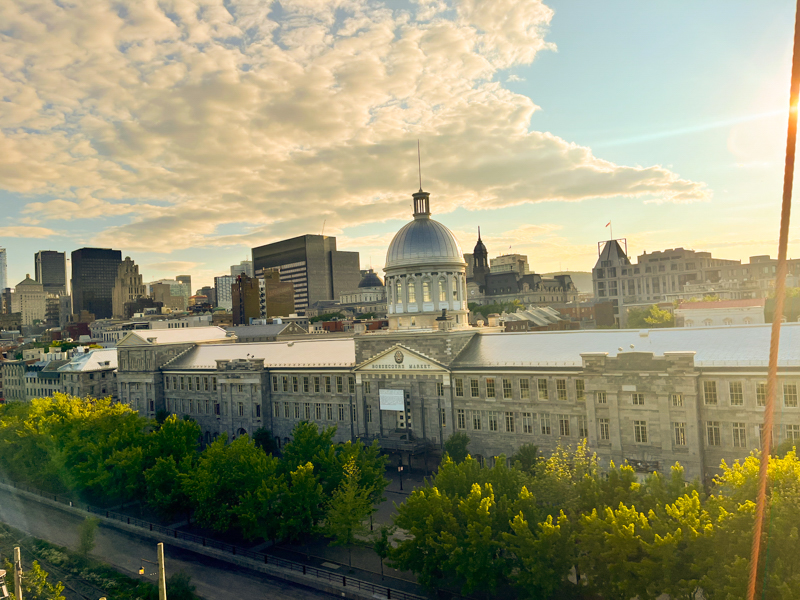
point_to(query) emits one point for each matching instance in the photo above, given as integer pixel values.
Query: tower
(480, 258)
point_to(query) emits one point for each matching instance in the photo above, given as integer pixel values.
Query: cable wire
(777, 317)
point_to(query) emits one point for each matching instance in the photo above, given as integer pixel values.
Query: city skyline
(540, 127)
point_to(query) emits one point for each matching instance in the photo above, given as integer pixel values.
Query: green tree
(349, 506)
(456, 446)
(264, 440)
(35, 585)
(651, 317)
(382, 543)
(526, 458)
(88, 529)
(301, 506)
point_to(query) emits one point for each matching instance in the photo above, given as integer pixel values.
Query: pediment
(400, 359)
(133, 340)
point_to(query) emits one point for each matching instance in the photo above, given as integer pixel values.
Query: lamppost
(400, 471)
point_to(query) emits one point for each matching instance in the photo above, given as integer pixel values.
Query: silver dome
(424, 241)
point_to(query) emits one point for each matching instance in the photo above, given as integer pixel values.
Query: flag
(609, 223)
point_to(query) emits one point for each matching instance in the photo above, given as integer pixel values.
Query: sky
(184, 133)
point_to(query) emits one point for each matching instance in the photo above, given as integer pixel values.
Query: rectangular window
(761, 393)
(443, 417)
(677, 399)
(790, 395)
(307, 411)
(527, 422)
(580, 390)
(712, 430)
(637, 399)
(602, 398)
(510, 422)
(285, 383)
(524, 388)
(739, 435)
(181, 383)
(316, 385)
(305, 385)
(296, 410)
(197, 383)
(561, 389)
(341, 412)
(563, 425)
(189, 382)
(241, 409)
(351, 385)
(640, 431)
(679, 430)
(295, 386)
(318, 411)
(240, 388)
(276, 409)
(286, 409)
(216, 408)
(473, 388)
(339, 384)
(205, 384)
(492, 420)
(605, 430)
(459, 387)
(476, 420)
(506, 388)
(710, 392)
(440, 389)
(737, 393)
(545, 423)
(792, 432)
(353, 413)
(329, 412)
(367, 387)
(369, 414)
(258, 411)
(327, 385)
(461, 420)
(490, 387)
(542, 387)
(191, 406)
(583, 427)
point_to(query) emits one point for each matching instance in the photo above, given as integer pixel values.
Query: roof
(337, 352)
(746, 345)
(541, 315)
(423, 240)
(612, 252)
(743, 303)
(246, 331)
(96, 360)
(370, 280)
(186, 335)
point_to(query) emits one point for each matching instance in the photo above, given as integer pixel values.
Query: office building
(94, 271)
(3, 269)
(313, 265)
(222, 291)
(174, 294)
(51, 271)
(209, 292)
(29, 299)
(243, 268)
(262, 297)
(128, 287)
(187, 280)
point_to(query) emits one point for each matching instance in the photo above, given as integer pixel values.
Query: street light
(400, 470)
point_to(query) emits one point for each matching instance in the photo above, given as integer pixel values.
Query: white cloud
(217, 113)
(24, 231)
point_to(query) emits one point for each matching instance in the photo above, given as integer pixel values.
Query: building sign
(392, 400)
(401, 361)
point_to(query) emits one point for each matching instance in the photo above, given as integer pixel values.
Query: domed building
(425, 275)
(368, 298)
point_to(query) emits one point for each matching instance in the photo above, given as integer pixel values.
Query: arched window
(442, 289)
(455, 289)
(399, 294)
(689, 322)
(412, 291)
(707, 322)
(728, 321)
(426, 291)
(747, 320)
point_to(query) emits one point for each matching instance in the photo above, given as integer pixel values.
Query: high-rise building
(3, 269)
(222, 289)
(31, 300)
(177, 289)
(210, 293)
(243, 268)
(51, 271)
(186, 279)
(127, 287)
(245, 300)
(313, 265)
(94, 271)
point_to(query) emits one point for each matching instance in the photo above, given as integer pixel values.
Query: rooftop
(743, 303)
(187, 335)
(96, 360)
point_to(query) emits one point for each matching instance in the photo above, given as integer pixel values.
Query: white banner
(392, 400)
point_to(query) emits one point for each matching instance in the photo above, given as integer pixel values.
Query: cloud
(189, 121)
(177, 266)
(23, 231)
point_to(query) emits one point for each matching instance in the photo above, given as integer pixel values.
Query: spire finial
(419, 164)
(479, 233)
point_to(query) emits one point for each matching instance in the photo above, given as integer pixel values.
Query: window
(739, 435)
(542, 387)
(677, 399)
(580, 390)
(329, 412)
(476, 420)
(305, 385)
(442, 289)
(196, 383)
(473, 388)
(545, 423)
(791, 432)
(341, 412)
(583, 427)
(637, 399)
(366, 387)
(640, 431)
(443, 417)
(316, 385)
(461, 420)
(510, 422)
(285, 383)
(318, 411)
(459, 387)
(506, 388)
(307, 411)
(605, 430)
(527, 422)
(561, 389)
(679, 432)
(524, 388)
(710, 392)
(399, 292)
(296, 410)
(241, 409)
(214, 383)
(426, 291)
(276, 409)
(351, 385)
(327, 385)
(369, 414)
(412, 291)
(295, 386)
(440, 389)
(205, 383)
(181, 383)
(761, 393)
(490, 387)
(737, 393)
(790, 395)
(216, 408)
(189, 382)
(286, 409)
(353, 413)
(240, 388)
(602, 398)
(712, 430)
(563, 425)
(492, 420)
(258, 411)
(339, 384)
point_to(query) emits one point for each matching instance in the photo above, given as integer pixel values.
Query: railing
(333, 578)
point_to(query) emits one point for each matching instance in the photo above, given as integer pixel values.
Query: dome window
(412, 291)
(426, 291)
(442, 289)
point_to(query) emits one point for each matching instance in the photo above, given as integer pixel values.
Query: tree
(88, 530)
(382, 544)
(349, 506)
(644, 318)
(301, 507)
(526, 458)
(264, 440)
(456, 446)
(35, 585)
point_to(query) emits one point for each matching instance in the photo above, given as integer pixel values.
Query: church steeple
(480, 258)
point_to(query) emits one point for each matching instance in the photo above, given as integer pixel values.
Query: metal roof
(96, 360)
(339, 352)
(743, 346)
(423, 240)
(178, 335)
(246, 331)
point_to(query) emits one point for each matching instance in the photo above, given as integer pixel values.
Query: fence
(330, 577)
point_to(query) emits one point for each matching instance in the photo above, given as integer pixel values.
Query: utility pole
(17, 574)
(162, 580)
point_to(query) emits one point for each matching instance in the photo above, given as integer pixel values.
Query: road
(213, 579)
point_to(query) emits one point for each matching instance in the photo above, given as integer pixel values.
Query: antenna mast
(419, 164)
(323, 226)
